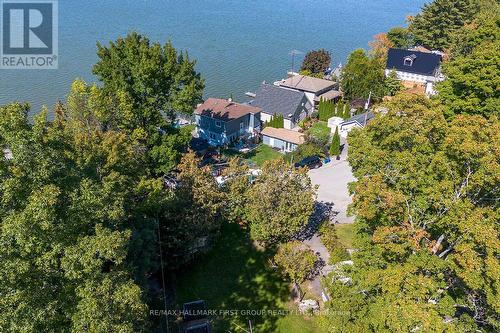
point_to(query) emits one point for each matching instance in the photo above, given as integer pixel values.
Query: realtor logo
(29, 34)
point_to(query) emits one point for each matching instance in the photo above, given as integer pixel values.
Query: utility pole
(367, 105)
(293, 53)
(163, 278)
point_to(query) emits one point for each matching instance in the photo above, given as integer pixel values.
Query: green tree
(426, 209)
(361, 75)
(298, 262)
(66, 207)
(335, 146)
(400, 37)
(316, 62)
(330, 240)
(279, 203)
(484, 28)
(392, 84)
(439, 19)
(471, 85)
(235, 188)
(325, 110)
(192, 213)
(155, 82)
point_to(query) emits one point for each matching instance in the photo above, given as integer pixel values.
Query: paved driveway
(332, 179)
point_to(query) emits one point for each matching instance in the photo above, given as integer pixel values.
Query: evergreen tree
(392, 84)
(400, 37)
(335, 146)
(439, 19)
(471, 85)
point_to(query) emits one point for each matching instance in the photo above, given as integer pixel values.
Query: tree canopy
(362, 75)
(68, 227)
(280, 203)
(426, 206)
(439, 19)
(316, 62)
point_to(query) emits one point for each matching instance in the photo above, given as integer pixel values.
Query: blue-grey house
(221, 121)
(293, 105)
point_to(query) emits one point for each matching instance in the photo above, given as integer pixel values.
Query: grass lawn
(345, 232)
(262, 154)
(320, 130)
(235, 275)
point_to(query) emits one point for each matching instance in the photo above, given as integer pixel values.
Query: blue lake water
(238, 44)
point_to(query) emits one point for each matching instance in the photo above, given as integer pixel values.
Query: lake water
(238, 44)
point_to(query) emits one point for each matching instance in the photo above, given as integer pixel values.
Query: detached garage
(282, 139)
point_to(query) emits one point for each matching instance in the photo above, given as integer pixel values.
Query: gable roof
(276, 100)
(284, 134)
(423, 63)
(360, 119)
(225, 110)
(307, 83)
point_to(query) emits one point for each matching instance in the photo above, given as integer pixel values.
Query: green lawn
(262, 154)
(345, 232)
(257, 156)
(320, 130)
(235, 275)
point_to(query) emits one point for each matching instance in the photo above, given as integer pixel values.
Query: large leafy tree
(316, 62)
(157, 78)
(426, 204)
(155, 82)
(298, 262)
(472, 82)
(439, 19)
(66, 208)
(362, 75)
(279, 203)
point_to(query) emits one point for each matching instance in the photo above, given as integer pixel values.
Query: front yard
(320, 131)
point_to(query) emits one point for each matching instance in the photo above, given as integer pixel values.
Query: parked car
(312, 162)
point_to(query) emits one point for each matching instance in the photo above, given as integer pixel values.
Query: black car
(312, 162)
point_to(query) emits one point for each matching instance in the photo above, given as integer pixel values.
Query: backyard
(257, 156)
(235, 275)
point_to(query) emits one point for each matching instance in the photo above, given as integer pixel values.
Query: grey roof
(276, 100)
(360, 118)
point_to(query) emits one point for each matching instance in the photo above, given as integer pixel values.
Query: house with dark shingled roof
(291, 104)
(415, 67)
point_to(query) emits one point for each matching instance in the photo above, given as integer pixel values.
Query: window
(218, 123)
(408, 61)
(241, 126)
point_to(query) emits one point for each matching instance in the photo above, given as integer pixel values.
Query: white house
(415, 67)
(345, 126)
